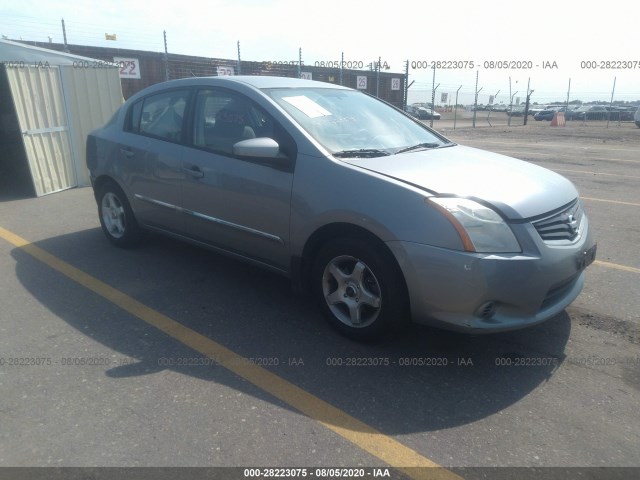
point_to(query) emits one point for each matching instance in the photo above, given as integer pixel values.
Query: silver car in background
(382, 219)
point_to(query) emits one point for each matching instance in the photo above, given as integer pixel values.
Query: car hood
(518, 189)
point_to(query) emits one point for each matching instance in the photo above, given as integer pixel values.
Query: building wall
(91, 96)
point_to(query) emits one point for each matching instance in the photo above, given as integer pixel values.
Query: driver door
(239, 205)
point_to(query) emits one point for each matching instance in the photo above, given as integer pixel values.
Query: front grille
(561, 226)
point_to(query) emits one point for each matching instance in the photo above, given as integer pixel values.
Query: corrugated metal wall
(39, 101)
(91, 95)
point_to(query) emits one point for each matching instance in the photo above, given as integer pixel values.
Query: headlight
(480, 228)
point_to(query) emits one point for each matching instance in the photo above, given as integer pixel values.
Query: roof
(25, 55)
(256, 81)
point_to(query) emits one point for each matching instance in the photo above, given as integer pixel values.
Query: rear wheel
(359, 288)
(116, 217)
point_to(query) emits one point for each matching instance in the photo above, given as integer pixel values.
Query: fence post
(611, 103)
(455, 108)
(475, 102)
(166, 56)
(433, 96)
(64, 36)
(406, 87)
(526, 104)
(378, 77)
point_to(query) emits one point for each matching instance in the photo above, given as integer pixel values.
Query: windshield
(349, 123)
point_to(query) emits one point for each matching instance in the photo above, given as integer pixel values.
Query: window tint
(224, 118)
(160, 115)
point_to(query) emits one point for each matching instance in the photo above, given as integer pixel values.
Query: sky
(576, 42)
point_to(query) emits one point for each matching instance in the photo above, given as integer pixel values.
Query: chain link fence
(465, 105)
(140, 69)
(505, 103)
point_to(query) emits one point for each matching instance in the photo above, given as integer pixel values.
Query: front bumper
(481, 293)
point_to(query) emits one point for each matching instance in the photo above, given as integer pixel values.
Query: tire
(116, 217)
(360, 289)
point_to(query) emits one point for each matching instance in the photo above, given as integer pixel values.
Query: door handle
(194, 171)
(127, 152)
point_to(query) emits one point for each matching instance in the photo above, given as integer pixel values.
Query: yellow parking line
(617, 266)
(387, 449)
(611, 201)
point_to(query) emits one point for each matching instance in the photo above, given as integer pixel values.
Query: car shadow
(419, 380)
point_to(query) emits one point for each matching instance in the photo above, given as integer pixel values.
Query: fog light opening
(486, 310)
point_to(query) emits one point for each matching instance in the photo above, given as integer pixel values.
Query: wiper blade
(362, 152)
(419, 145)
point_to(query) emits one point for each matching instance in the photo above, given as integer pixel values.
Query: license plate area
(587, 257)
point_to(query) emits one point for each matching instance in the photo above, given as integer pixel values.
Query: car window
(345, 120)
(223, 118)
(160, 115)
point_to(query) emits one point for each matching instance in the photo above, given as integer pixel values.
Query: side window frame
(134, 116)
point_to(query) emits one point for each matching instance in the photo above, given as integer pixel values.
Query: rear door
(151, 156)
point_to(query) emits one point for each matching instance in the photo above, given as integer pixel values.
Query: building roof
(20, 54)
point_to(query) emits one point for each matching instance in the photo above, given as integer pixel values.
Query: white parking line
(610, 201)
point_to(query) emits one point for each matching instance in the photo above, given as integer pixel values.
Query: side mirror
(263, 147)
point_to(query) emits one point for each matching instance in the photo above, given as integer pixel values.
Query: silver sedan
(382, 219)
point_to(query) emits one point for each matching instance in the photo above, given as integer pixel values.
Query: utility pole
(239, 64)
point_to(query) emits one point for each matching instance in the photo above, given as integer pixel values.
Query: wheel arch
(302, 265)
(102, 180)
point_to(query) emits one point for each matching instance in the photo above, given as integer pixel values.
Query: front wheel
(359, 288)
(116, 217)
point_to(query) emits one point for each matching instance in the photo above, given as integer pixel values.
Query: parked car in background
(422, 112)
(597, 112)
(636, 117)
(578, 113)
(533, 109)
(546, 114)
(499, 107)
(381, 218)
(549, 112)
(516, 111)
(621, 113)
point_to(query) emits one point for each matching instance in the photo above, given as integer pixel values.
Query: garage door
(37, 95)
